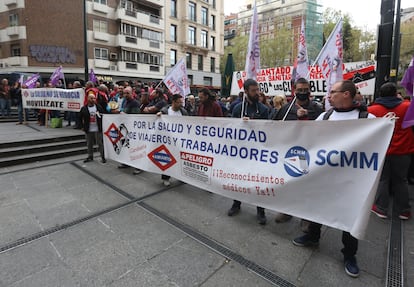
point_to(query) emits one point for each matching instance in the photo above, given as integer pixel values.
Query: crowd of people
(346, 102)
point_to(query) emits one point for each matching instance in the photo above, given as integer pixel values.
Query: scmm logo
(354, 159)
(297, 161)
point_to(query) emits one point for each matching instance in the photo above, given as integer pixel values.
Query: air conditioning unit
(113, 67)
(3, 65)
(113, 56)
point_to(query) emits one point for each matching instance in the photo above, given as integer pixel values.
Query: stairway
(14, 153)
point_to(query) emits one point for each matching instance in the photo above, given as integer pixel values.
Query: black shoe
(121, 165)
(305, 241)
(261, 218)
(233, 210)
(103, 160)
(88, 159)
(351, 267)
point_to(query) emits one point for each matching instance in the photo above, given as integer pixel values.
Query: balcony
(143, 70)
(101, 36)
(10, 2)
(12, 31)
(194, 48)
(100, 8)
(136, 16)
(17, 61)
(104, 64)
(142, 44)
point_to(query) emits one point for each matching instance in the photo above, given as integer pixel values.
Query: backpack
(362, 114)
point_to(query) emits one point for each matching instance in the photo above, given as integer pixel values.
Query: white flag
(253, 51)
(330, 59)
(177, 80)
(301, 68)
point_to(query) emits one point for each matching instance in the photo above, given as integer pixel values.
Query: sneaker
(378, 212)
(405, 215)
(261, 218)
(281, 217)
(103, 160)
(233, 210)
(305, 240)
(88, 159)
(166, 182)
(351, 267)
(137, 171)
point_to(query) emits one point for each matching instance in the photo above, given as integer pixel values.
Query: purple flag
(56, 76)
(408, 80)
(92, 77)
(30, 83)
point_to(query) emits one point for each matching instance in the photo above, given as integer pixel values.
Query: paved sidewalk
(136, 245)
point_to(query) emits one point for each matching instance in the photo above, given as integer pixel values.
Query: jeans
(94, 137)
(5, 105)
(394, 179)
(20, 113)
(350, 243)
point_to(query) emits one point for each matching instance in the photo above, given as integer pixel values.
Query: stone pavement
(114, 238)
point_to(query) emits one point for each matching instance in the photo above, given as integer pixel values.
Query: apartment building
(126, 39)
(276, 14)
(194, 30)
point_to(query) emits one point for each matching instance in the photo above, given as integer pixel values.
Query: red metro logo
(162, 158)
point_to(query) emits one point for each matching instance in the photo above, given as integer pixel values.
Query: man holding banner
(251, 109)
(341, 98)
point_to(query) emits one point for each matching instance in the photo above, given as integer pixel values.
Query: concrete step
(42, 147)
(41, 156)
(41, 141)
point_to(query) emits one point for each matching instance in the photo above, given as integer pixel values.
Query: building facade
(274, 15)
(126, 39)
(194, 30)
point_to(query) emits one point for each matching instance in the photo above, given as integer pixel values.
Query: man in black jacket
(91, 123)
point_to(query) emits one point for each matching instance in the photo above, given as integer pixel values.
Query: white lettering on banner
(53, 99)
(251, 162)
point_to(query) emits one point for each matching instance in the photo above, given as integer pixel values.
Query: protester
(16, 93)
(208, 105)
(5, 101)
(175, 109)
(303, 109)
(191, 106)
(131, 106)
(91, 123)
(157, 102)
(341, 98)
(397, 161)
(278, 102)
(251, 108)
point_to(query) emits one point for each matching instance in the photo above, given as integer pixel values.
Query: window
(101, 53)
(100, 1)
(173, 33)
(189, 60)
(204, 38)
(192, 11)
(129, 30)
(100, 26)
(204, 16)
(15, 51)
(213, 22)
(149, 34)
(173, 8)
(213, 43)
(212, 65)
(208, 81)
(191, 35)
(190, 80)
(214, 4)
(200, 62)
(173, 57)
(13, 20)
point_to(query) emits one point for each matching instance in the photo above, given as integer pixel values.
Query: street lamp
(85, 41)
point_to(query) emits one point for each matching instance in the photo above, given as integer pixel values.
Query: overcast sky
(364, 13)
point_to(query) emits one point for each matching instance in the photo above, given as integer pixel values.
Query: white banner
(177, 80)
(277, 81)
(324, 171)
(53, 99)
(253, 50)
(301, 62)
